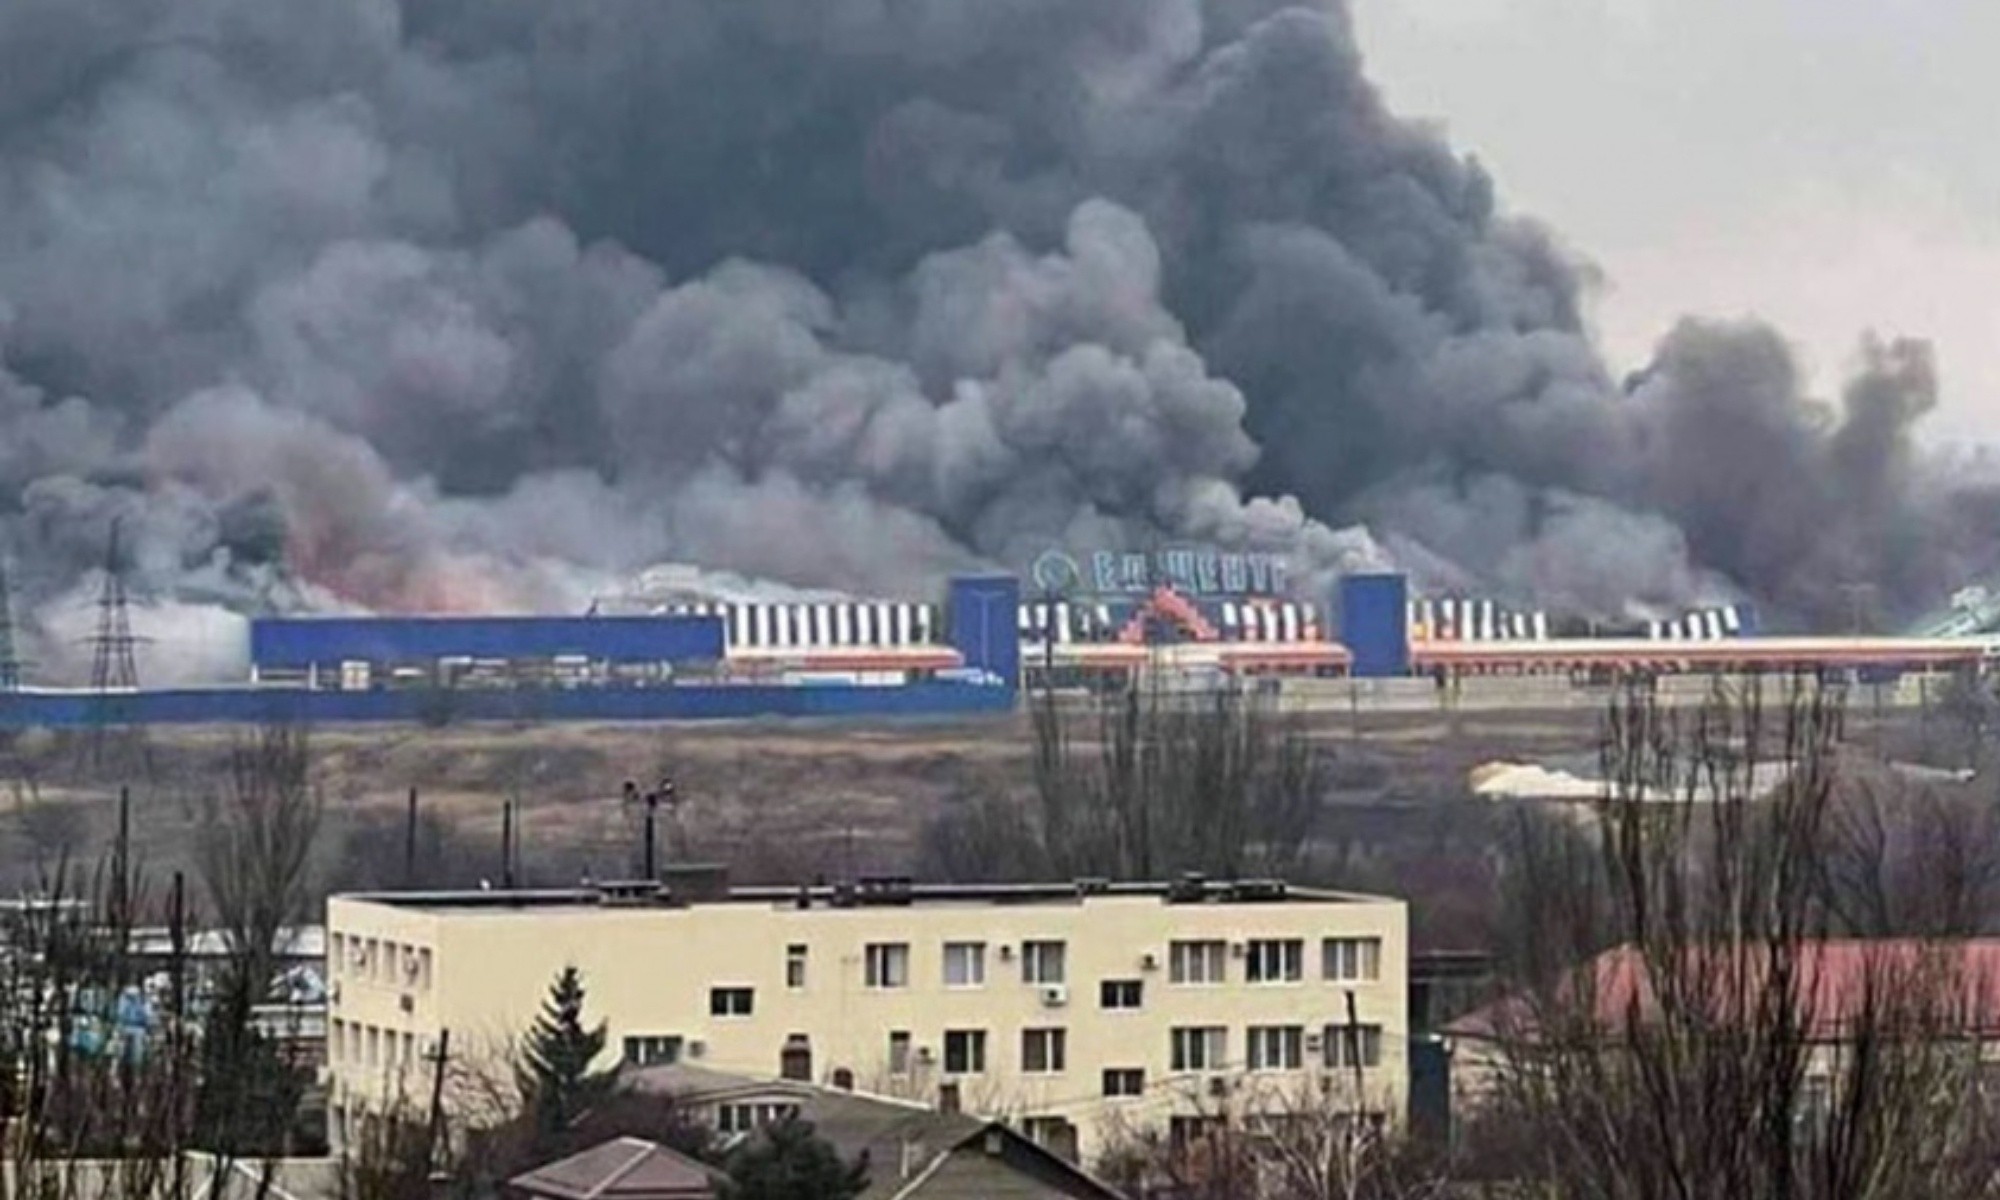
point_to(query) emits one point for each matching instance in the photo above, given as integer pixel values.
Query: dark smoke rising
(484, 304)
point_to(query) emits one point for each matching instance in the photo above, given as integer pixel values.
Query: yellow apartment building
(1079, 1011)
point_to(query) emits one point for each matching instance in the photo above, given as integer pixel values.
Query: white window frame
(798, 957)
(1275, 1047)
(728, 994)
(1045, 962)
(974, 1043)
(1123, 1075)
(1270, 961)
(969, 958)
(653, 1049)
(1336, 1046)
(1051, 1045)
(1136, 986)
(887, 965)
(1351, 959)
(748, 1116)
(1199, 1048)
(1210, 955)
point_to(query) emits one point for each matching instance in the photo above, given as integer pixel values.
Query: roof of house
(914, 1152)
(1838, 982)
(622, 1167)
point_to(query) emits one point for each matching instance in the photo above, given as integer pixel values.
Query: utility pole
(435, 1127)
(10, 661)
(177, 1033)
(507, 845)
(121, 866)
(410, 843)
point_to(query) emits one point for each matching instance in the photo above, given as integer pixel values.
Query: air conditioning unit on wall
(1054, 995)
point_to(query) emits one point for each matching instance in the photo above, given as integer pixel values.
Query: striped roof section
(1233, 621)
(823, 625)
(1458, 619)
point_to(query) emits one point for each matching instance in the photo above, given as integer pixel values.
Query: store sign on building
(1190, 572)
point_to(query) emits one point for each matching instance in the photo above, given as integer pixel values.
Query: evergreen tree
(788, 1161)
(557, 1084)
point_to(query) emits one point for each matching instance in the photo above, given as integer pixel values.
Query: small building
(624, 1168)
(1948, 989)
(912, 1152)
(1088, 1010)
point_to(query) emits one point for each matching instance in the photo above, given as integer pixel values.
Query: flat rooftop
(690, 890)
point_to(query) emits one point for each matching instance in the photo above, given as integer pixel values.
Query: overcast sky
(1832, 165)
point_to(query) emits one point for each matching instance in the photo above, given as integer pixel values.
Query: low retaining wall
(198, 706)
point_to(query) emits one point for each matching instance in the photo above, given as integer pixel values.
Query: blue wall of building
(982, 615)
(682, 703)
(1375, 624)
(292, 643)
(1747, 624)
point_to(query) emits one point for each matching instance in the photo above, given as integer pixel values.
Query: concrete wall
(1551, 693)
(689, 702)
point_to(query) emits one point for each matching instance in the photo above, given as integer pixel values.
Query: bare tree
(1146, 783)
(1323, 1136)
(254, 852)
(1912, 859)
(1688, 1023)
(983, 835)
(387, 1154)
(96, 1065)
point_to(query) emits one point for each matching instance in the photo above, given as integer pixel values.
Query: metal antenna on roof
(666, 794)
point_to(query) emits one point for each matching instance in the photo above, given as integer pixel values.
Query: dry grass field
(779, 801)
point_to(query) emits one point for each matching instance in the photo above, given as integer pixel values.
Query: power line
(113, 665)
(114, 668)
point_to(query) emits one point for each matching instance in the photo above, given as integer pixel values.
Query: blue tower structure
(1375, 624)
(983, 622)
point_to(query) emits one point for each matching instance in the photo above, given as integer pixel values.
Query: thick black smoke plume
(470, 304)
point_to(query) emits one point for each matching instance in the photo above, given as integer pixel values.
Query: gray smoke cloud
(457, 305)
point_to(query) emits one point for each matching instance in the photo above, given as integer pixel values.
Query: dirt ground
(779, 801)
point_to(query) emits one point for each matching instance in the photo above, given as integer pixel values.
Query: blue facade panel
(982, 614)
(1746, 621)
(293, 643)
(683, 703)
(1375, 624)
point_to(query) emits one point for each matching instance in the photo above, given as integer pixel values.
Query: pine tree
(557, 1084)
(788, 1161)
